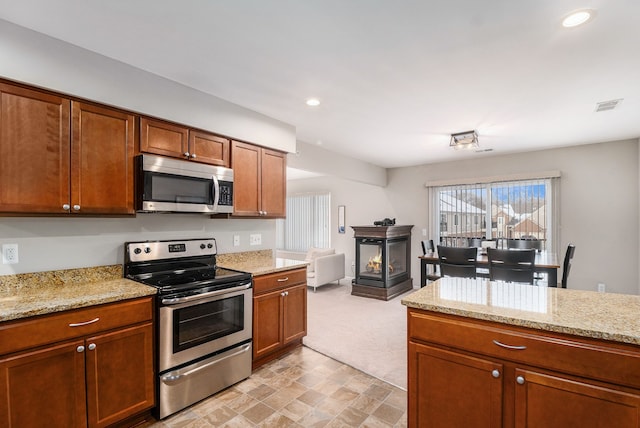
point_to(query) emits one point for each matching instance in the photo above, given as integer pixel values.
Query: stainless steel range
(203, 320)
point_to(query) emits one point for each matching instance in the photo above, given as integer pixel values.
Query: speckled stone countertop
(29, 294)
(259, 262)
(608, 316)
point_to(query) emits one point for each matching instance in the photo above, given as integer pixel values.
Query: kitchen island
(494, 354)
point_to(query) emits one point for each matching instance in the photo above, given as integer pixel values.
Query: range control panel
(159, 250)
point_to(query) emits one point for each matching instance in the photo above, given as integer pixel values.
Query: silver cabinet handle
(495, 373)
(286, 293)
(177, 300)
(80, 348)
(186, 154)
(66, 207)
(282, 294)
(520, 380)
(91, 346)
(285, 279)
(517, 348)
(193, 156)
(80, 324)
(76, 207)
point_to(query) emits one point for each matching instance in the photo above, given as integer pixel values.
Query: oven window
(205, 322)
(175, 188)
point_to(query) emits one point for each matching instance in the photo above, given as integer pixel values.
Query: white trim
(495, 179)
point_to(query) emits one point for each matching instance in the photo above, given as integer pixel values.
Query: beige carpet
(365, 333)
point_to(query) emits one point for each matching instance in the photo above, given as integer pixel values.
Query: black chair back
(571, 249)
(427, 246)
(474, 242)
(511, 265)
(458, 261)
(524, 244)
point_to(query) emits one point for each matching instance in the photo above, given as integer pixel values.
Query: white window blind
(308, 223)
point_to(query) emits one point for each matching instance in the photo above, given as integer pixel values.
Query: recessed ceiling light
(312, 102)
(578, 17)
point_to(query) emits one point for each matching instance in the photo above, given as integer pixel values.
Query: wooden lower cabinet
(459, 377)
(279, 314)
(92, 381)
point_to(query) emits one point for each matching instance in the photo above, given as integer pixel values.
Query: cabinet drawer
(581, 357)
(37, 331)
(274, 281)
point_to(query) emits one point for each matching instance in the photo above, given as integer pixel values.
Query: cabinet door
(448, 389)
(247, 180)
(163, 138)
(120, 379)
(209, 148)
(295, 313)
(267, 323)
(543, 400)
(274, 183)
(44, 388)
(102, 160)
(34, 151)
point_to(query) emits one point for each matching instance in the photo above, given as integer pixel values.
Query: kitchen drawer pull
(495, 374)
(80, 348)
(80, 324)
(285, 279)
(520, 380)
(91, 346)
(517, 348)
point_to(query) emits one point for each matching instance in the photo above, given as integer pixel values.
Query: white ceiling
(395, 78)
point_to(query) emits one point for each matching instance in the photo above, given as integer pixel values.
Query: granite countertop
(40, 293)
(607, 316)
(259, 262)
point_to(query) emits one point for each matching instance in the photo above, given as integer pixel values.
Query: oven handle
(171, 378)
(178, 300)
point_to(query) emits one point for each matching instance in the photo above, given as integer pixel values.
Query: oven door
(195, 326)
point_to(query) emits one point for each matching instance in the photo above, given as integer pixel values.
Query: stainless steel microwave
(173, 185)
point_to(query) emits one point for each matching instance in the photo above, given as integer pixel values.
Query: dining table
(545, 262)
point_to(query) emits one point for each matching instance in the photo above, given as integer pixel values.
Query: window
(519, 209)
(308, 223)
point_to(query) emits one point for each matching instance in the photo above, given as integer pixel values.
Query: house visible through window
(308, 223)
(513, 209)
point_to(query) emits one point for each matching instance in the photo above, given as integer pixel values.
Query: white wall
(599, 205)
(364, 203)
(73, 242)
(40, 60)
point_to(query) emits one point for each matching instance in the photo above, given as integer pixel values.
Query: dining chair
(511, 265)
(571, 249)
(524, 244)
(458, 261)
(432, 270)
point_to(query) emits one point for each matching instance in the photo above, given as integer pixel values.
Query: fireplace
(383, 261)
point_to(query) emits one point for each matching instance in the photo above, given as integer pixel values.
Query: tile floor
(301, 389)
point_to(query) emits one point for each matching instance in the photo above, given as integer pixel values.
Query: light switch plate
(236, 240)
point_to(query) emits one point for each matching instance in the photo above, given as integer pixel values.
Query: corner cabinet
(279, 314)
(167, 139)
(260, 181)
(59, 155)
(89, 367)
(465, 372)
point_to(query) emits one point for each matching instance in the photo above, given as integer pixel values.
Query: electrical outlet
(236, 240)
(601, 287)
(424, 232)
(10, 254)
(255, 239)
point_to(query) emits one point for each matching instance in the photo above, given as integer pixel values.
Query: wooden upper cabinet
(167, 139)
(34, 151)
(102, 160)
(259, 181)
(52, 163)
(247, 180)
(209, 148)
(163, 138)
(274, 183)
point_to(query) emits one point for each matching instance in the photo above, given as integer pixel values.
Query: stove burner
(178, 280)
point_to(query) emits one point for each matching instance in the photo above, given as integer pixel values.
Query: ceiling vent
(608, 105)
